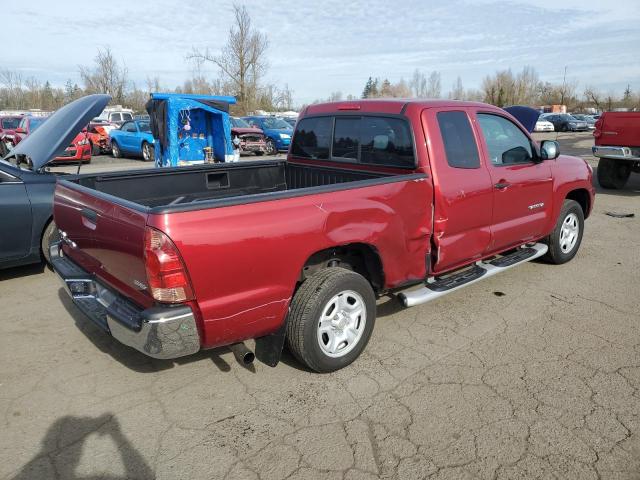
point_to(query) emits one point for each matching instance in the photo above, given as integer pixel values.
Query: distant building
(554, 108)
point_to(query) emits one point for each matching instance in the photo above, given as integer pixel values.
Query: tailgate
(104, 238)
(620, 129)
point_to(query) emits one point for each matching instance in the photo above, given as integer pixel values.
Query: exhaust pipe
(242, 353)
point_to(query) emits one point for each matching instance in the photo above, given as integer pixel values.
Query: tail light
(598, 128)
(166, 274)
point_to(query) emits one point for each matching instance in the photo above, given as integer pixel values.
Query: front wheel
(115, 149)
(49, 236)
(147, 152)
(331, 319)
(566, 237)
(271, 147)
(613, 173)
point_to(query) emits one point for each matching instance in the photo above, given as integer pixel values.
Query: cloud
(334, 45)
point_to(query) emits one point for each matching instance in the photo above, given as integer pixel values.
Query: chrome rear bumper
(160, 332)
(619, 153)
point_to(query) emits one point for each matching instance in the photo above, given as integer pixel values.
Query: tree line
(242, 66)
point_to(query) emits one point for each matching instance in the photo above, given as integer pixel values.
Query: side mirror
(549, 149)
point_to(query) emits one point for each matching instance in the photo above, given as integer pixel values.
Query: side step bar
(437, 287)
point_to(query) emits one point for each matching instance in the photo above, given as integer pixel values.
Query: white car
(543, 125)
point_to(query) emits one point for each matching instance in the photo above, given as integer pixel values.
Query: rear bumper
(158, 332)
(619, 153)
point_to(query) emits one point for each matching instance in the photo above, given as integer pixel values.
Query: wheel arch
(581, 195)
(362, 258)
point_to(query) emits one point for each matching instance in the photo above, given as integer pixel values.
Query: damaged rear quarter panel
(244, 260)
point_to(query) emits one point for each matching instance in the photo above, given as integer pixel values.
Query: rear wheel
(259, 153)
(115, 149)
(566, 237)
(147, 152)
(613, 173)
(49, 236)
(331, 319)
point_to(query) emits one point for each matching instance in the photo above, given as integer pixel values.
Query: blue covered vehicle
(133, 138)
(277, 131)
(190, 129)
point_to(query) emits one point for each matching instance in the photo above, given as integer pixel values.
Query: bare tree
(106, 76)
(457, 92)
(434, 87)
(242, 60)
(593, 96)
(418, 84)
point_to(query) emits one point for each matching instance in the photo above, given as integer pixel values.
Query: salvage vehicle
(190, 129)
(415, 198)
(563, 122)
(26, 186)
(617, 145)
(133, 138)
(99, 136)
(8, 124)
(249, 139)
(277, 131)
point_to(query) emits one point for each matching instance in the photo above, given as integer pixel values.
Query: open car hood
(57, 132)
(527, 116)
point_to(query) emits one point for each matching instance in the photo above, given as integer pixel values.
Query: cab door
(522, 183)
(128, 136)
(15, 218)
(463, 190)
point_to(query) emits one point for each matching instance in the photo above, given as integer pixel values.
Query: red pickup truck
(617, 145)
(415, 198)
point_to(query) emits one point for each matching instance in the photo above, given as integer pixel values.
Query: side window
(127, 116)
(346, 138)
(129, 127)
(506, 143)
(116, 117)
(312, 138)
(459, 143)
(386, 141)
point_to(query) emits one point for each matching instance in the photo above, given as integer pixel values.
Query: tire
(259, 154)
(95, 149)
(271, 147)
(613, 173)
(564, 242)
(147, 152)
(564, 128)
(115, 149)
(49, 236)
(332, 290)
(4, 150)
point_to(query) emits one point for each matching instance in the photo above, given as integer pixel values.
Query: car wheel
(564, 128)
(331, 319)
(566, 237)
(147, 152)
(613, 173)
(258, 153)
(271, 147)
(115, 149)
(4, 150)
(49, 236)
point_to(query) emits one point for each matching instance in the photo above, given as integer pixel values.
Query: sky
(323, 46)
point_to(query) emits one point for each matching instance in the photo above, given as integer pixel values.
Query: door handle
(502, 185)
(89, 214)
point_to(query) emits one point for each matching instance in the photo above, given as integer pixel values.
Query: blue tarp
(184, 124)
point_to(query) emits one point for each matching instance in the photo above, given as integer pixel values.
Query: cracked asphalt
(534, 373)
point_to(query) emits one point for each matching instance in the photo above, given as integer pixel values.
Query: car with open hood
(248, 139)
(27, 184)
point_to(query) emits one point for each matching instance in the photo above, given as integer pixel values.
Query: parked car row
(564, 122)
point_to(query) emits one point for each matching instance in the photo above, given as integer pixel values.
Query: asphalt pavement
(533, 373)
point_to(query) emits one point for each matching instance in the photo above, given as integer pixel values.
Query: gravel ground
(533, 373)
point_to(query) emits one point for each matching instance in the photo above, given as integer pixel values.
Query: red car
(415, 198)
(99, 136)
(617, 145)
(247, 138)
(8, 124)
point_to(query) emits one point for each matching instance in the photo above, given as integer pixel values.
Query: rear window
(459, 143)
(312, 138)
(127, 116)
(384, 141)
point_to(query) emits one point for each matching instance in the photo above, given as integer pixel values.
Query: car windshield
(35, 123)
(10, 123)
(144, 126)
(276, 123)
(239, 123)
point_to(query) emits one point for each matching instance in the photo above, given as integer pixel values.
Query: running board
(436, 288)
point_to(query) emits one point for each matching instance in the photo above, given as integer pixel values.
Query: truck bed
(180, 189)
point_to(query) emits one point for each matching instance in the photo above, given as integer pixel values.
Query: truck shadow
(62, 449)
(631, 189)
(131, 358)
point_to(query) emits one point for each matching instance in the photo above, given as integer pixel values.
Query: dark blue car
(277, 131)
(26, 185)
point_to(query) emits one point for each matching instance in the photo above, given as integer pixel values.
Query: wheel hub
(341, 324)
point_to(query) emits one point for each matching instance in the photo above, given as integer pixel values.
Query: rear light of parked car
(166, 274)
(598, 126)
